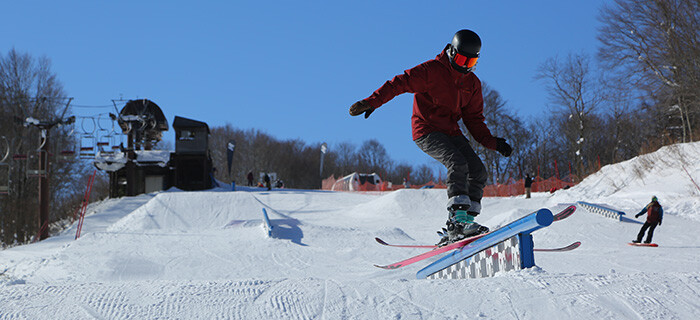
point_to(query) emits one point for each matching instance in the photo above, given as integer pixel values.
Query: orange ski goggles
(464, 61)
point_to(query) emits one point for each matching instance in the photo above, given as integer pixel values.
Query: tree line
(29, 90)
(638, 92)
(298, 163)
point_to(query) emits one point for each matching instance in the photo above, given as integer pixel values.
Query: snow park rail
(603, 211)
(507, 248)
(267, 225)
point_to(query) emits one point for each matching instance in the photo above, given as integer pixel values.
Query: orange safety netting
(514, 188)
(538, 185)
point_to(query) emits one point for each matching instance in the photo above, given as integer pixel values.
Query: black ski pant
(466, 173)
(647, 225)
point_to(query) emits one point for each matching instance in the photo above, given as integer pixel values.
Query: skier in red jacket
(655, 214)
(445, 91)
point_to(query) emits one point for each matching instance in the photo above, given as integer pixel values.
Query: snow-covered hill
(205, 255)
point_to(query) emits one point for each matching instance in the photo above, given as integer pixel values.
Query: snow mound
(403, 203)
(186, 212)
(671, 173)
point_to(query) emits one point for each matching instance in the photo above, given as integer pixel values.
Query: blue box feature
(601, 210)
(524, 226)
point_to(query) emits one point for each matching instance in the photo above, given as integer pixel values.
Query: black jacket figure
(266, 179)
(250, 179)
(528, 186)
(655, 214)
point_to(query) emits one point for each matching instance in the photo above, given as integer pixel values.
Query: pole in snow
(230, 147)
(324, 149)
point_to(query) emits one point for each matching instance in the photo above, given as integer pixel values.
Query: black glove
(503, 147)
(359, 107)
(637, 215)
(659, 222)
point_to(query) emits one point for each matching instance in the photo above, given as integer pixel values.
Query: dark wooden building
(191, 160)
(137, 168)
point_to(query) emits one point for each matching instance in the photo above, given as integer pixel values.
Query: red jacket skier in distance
(442, 96)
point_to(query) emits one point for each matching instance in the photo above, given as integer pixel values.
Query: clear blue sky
(290, 68)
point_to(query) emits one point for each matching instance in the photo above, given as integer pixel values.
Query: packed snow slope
(205, 255)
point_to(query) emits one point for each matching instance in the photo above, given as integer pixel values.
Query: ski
(643, 244)
(567, 248)
(431, 253)
(557, 217)
(424, 246)
(565, 213)
(384, 243)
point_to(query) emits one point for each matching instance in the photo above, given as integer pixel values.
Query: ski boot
(461, 223)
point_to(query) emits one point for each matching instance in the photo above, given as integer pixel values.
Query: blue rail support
(520, 228)
(266, 223)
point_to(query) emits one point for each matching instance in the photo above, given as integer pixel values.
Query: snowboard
(643, 244)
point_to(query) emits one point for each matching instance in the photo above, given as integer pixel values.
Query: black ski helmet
(465, 47)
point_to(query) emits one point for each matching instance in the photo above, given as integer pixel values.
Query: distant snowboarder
(446, 91)
(655, 214)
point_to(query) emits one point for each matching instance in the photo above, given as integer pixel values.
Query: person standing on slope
(268, 184)
(528, 186)
(250, 178)
(445, 91)
(655, 214)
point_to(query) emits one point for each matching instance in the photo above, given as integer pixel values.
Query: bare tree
(502, 122)
(400, 172)
(346, 158)
(29, 89)
(255, 152)
(575, 96)
(373, 157)
(423, 174)
(654, 45)
(539, 152)
(626, 126)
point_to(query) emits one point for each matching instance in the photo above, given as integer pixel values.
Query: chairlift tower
(4, 167)
(45, 126)
(142, 122)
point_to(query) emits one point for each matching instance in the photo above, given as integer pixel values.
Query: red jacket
(654, 212)
(442, 97)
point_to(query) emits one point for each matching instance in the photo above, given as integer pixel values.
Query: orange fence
(513, 188)
(518, 187)
(331, 183)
